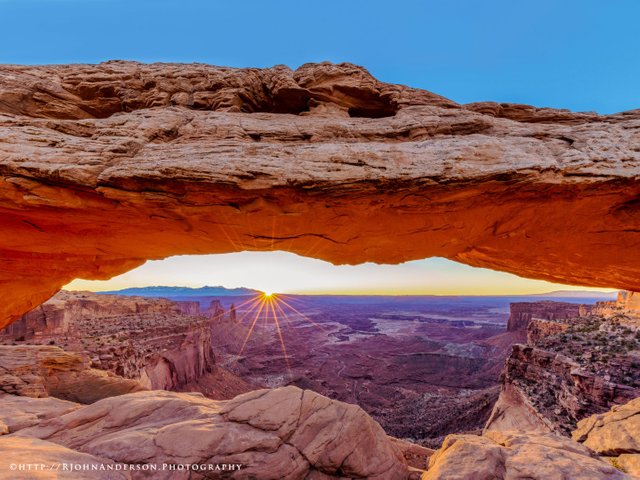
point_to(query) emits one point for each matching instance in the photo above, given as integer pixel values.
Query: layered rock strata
(573, 367)
(105, 166)
(161, 343)
(521, 313)
(42, 371)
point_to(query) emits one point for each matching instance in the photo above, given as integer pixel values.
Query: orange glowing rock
(105, 166)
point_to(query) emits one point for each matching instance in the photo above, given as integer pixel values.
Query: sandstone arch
(105, 166)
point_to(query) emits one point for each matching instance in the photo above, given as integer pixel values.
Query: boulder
(510, 455)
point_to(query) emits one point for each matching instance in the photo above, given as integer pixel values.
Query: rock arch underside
(105, 166)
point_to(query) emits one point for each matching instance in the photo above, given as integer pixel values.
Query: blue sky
(576, 54)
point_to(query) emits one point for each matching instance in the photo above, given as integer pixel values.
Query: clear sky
(283, 272)
(576, 54)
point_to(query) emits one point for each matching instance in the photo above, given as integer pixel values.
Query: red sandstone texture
(43, 371)
(105, 166)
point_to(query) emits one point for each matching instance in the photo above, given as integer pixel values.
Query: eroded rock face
(626, 309)
(579, 361)
(161, 343)
(105, 166)
(521, 313)
(59, 315)
(42, 371)
(558, 389)
(282, 433)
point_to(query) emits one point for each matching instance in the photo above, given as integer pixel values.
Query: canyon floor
(423, 367)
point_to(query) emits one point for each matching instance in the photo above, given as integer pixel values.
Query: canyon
(160, 343)
(78, 406)
(450, 352)
(572, 366)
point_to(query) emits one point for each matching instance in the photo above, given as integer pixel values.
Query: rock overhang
(105, 166)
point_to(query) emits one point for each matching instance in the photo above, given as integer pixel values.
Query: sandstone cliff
(105, 166)
(614, 435)
(42, 371)
(521, 313)
(158, 342)
(579, 361)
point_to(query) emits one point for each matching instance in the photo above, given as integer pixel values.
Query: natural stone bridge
(105, 166)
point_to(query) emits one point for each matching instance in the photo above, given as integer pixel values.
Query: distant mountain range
(219, 291)
(169, 292)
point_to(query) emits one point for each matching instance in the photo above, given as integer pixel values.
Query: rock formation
(521, 313)
(615, 434)
(42, 371)
(58, 316)
(105, 166)
(512, 455)
(625, 310)
(20, 412)
(46, 460)
(282, 433)
(158, 342)
(579, 361)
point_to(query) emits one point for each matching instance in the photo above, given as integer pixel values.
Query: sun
(271, 308)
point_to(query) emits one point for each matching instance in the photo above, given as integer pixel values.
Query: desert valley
(422, 367)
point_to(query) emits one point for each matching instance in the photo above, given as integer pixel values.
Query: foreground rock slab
(105, 166)
(511, 455)
(282, 433)
(615, 434)
(17, 413)
(49, 461)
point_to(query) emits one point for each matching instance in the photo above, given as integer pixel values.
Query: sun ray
(255, 302)
(252, 327)
(284, 348)
(302, 315)
(253, 299)
(283, 313)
